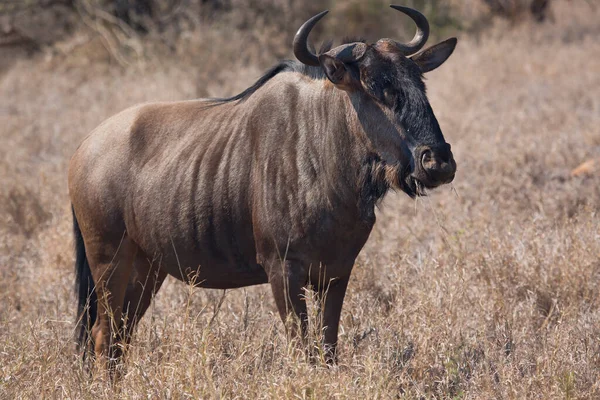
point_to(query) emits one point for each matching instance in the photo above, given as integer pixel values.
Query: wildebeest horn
(422, 34)
(301, 51)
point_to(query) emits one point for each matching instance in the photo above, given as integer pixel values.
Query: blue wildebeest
(275, 185)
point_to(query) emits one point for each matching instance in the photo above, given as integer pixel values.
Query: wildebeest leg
(332, 295)
(145, 281)
(111, 266)
(287, 279)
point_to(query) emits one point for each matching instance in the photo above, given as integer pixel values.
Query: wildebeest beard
(377, 177)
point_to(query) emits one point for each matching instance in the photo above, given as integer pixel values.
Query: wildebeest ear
(336, 63)
(434, 56)
(334, 68)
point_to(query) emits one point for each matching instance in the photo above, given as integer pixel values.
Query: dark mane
(286, 66)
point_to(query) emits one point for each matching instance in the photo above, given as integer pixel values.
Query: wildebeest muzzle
(435, 165)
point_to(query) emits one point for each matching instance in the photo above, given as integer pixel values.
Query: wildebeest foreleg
(287, 279)
(332, 296)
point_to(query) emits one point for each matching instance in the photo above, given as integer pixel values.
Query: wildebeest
(275, 185)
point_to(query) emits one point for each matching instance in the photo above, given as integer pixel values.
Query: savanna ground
(486, 289)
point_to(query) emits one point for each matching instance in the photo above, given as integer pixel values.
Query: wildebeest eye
(390, 96)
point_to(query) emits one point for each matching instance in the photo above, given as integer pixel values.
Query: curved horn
(422, 34)
(301, 51)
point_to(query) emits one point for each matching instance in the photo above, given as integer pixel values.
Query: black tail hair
(87, 306)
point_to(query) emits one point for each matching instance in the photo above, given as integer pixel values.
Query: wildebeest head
(385, 84)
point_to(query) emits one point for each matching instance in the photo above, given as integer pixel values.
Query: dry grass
(486, 289)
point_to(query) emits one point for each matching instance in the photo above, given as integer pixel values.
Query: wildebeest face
(393, 106)
(385, 85)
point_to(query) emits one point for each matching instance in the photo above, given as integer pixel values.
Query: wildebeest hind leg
(111, 266)
(145, 281)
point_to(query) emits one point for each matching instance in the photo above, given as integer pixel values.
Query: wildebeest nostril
(426, 156)
(438, 164)
(428, 160)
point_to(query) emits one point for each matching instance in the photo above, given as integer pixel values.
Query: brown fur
(277, 187)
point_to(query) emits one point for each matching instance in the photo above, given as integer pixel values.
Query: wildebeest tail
(84, 289)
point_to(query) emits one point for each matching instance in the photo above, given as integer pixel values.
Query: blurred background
(485, 289)
(252, 32)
